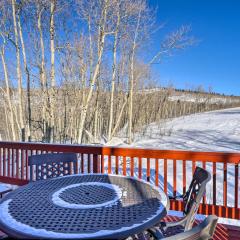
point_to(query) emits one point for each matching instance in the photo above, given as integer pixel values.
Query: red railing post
(140, 168)
(82, 163)
(214, 177)
(156, 172)
(116, 164)
(102, 164)
(109, 164)
(95, 164)
(225, 188)
(124, 166)
(165, 177)
(236, 212)
(89, 163)
(148, 170)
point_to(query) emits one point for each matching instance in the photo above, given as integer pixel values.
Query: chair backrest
(194, 194)
(203, 231)
(52, 165)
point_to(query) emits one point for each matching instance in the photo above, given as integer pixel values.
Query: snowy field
(209, 131)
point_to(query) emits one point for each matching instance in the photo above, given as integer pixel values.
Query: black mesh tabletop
(90, 206)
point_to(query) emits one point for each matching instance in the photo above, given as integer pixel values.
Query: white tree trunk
(52, 37)
(131, 80)
(6, 121)
(43, 78)
(52, 74)
(119, 116)
(101, 37)
(8, 96)
(28, 78)
(19, 75)
(114, 71)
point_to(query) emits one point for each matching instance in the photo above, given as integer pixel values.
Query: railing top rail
(224, 157)
(173, 154)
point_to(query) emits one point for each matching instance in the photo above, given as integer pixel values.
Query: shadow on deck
(222, 232)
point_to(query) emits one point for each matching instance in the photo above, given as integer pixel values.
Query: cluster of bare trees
(72, 70)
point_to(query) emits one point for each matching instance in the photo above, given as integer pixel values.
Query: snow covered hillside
(209, 131)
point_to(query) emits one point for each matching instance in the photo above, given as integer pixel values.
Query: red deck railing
(169, 169)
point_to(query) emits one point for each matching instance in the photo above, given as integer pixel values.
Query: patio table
(83, 206)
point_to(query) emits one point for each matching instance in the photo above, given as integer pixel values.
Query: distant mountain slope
(194, 96)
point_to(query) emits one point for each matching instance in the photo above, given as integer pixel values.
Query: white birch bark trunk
(114, 70)
(28, 78)
(19, 75)
(119, 116)
(85, 107)
(8, 96)
(131, 81)
(101, 38)
(43, 77)
(52, 73)
(6, 121)
(52, 37)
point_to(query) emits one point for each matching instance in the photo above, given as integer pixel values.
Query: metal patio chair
(203, 231)
(191, 200)
(52, 165)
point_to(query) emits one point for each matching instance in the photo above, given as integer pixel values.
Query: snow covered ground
(209, 131)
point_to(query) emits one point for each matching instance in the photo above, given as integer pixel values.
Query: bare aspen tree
(42, 70)
(8, 96)
(114, 70)
(8, 106)
(19, 74)
(83, 74)
(52, 39)
(101, 40)
(131, 77)
(43, 79)
(120, 116)
(52, 72)
(6, 120)
(26, 68)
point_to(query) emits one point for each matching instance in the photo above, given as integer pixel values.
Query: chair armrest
(180, 222)
(176, 197)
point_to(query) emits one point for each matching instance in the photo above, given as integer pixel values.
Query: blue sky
(215, 61)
